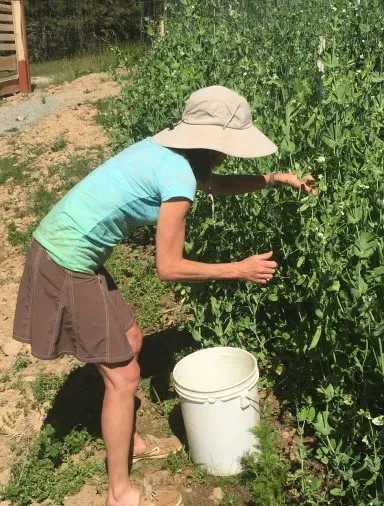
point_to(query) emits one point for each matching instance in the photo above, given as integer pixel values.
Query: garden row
(313, 74)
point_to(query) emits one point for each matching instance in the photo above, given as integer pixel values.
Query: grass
(68, 69)
(58, 144)
(45, 386)
(11, 171)
(21, 362)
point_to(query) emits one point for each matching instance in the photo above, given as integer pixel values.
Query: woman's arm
(171, 266)
(240, 184)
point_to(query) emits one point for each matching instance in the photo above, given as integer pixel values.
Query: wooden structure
(14, 65)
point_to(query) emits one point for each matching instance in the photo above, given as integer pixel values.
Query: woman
(69, 304)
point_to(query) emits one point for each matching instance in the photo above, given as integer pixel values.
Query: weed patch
(58, 144)
(45, 386)
(265, 472)
(11, 172)
(19, 238)
(48, 470)
(21, 363)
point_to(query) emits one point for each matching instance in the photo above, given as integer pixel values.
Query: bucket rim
(239, 386)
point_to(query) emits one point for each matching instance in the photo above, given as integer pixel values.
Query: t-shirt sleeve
(176, 180)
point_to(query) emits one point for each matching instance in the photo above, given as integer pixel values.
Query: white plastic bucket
(220, 405)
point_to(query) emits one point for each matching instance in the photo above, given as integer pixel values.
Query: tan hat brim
(246, 143)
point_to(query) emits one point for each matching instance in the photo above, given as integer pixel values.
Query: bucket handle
(245, 401)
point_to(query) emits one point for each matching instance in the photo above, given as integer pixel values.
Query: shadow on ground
(78, 403)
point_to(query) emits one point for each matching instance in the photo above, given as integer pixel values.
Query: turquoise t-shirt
(102, 209)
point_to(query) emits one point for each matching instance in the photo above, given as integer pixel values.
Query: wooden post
(18, 11)
(162, 28)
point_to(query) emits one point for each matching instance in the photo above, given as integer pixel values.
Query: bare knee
(135, 338)
(121, 378)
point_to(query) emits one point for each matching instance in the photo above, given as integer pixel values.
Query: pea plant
(313, 74)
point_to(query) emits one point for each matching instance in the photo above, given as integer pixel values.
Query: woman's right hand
(259, 269)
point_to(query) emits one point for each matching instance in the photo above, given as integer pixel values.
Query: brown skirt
(60, 312)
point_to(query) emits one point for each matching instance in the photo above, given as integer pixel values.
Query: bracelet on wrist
(271, 180)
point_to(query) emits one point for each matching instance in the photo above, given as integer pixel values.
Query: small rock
(20, 118)
(12, 348)
(217, 495)
(5, 476)
(287, 434)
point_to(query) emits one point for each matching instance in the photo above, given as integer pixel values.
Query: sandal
(158, 448)
(152, 497)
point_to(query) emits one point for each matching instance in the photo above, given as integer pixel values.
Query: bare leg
(135, 338)
(121, 382)
(117, 422)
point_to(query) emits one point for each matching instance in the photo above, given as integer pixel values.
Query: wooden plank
(9, 85)
(5, 8)
(7, 18)
(18, 20)
(6, 27)
(7, 37)
(8, 62)
(25, 85)
(7, 47)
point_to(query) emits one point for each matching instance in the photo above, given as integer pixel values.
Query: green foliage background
(317, 331)
(59, 28)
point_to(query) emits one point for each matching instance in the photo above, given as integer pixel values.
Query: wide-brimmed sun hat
(220, 119)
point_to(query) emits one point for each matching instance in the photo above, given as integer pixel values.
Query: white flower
(321, 159)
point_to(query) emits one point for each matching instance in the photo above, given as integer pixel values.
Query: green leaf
(364, 246)
(321, 425)
(311, 414)
(335, 287)
(337, 492)
(378, 271)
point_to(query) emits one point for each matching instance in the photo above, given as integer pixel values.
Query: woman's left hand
(307, 183)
